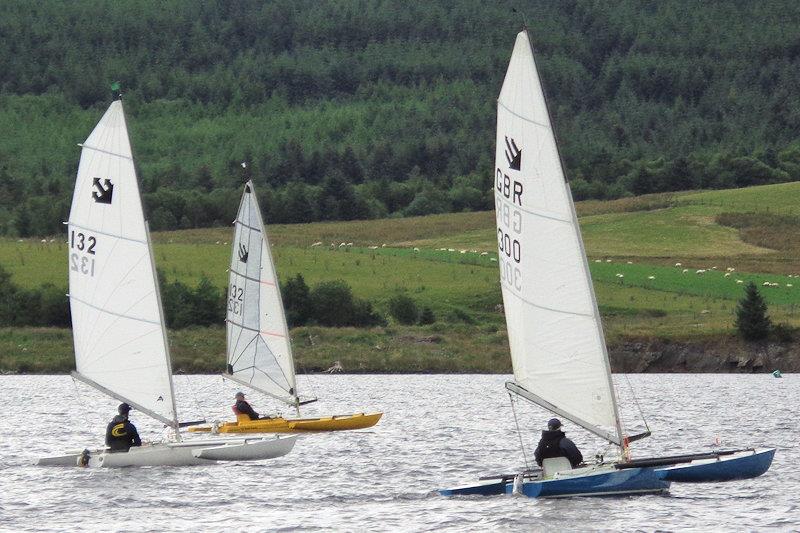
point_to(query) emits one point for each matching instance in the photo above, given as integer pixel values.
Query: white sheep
(727, 274)
(318, 243)
(451, 250)
(701, 271)
(598, 261)
(765, 284)
(678, 264)
(789, 285)
(349, 244)
(462, 251)
(685, 270)
(739, 281)
(620, 276)
(373, 247)
(651, 277)
(484, 253)
(416, 249)
(608, 260)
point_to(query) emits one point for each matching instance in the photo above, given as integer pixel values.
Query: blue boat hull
(743, 466)
(604, 483)
(608, 483)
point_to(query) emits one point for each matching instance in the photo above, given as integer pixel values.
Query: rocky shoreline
(717, 355)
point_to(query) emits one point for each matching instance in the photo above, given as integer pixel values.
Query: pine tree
(752, 320)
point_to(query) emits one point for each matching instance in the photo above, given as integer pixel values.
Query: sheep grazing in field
(349, 244)
(678, 265)
(217, 242)
(53, 240)
(608, 260)
(651, 277)
(789, 285)
(225, 243)
(620, 276)
(342, 244)
(630, 262)
(730, 269)
(598, 261)
(685, 270)
(373, 247)
(44, 241)
(727, 274)
(701, 271)
(484, 253)
(713, 268)
(416, 249)
(493, 259)
(739, 281)
(318, 243)
(451, 249)
(462, 251)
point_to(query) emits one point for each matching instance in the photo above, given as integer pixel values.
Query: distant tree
(333, 304)
(296, 300)
(752, 320)
(403, 309)
(427, 316)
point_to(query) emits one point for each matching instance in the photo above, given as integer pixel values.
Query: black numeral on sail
(235, 299)
(84, 244)
(508, 246)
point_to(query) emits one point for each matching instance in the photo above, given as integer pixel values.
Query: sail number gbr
(81, 259)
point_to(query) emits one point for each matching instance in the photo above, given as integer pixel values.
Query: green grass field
(448, 262)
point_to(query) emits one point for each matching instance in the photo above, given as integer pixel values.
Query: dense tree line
(355, 109)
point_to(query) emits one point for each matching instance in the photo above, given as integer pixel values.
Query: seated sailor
(554, 443)
(243, 407)
(120, 433)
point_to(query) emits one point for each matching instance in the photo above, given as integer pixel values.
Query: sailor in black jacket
(120, 433)
(554, 443)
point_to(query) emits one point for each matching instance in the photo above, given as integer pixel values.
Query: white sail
(259, 347)
(557, 346)
(117, 322)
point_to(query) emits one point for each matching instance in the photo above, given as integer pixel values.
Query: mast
(585, 262)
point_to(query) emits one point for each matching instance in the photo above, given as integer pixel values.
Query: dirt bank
(722, 354)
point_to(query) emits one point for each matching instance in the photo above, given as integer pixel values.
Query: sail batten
(117, 321)
(258, 345)
(555, 336)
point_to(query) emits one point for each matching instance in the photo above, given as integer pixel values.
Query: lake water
(437, 431)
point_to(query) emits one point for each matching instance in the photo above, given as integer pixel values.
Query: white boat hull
(188, 453)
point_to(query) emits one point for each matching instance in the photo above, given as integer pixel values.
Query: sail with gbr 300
(259, 348)
(118, 330)
(555, 335)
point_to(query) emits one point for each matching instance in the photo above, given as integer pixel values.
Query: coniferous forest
(360, 109)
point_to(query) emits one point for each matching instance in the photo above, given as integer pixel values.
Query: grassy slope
(637, 238)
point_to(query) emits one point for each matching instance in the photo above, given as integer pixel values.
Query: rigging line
(636, 401)
(519, 433)
(81, 401)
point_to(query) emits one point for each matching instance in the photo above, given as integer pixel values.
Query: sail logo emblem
(243, 253)
(513, 154)
(103, 192)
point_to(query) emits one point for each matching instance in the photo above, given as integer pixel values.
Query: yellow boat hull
(295, 425)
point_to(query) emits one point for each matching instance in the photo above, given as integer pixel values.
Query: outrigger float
(292, 425)
(555, 333)
(259, 349)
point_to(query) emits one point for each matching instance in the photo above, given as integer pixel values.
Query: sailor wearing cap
(120, 433)
(554, 443)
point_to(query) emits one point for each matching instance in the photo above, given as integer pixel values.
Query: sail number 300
(85, 244)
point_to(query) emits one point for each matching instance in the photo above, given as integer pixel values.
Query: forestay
(118, 331)
(556, 340)
(259, 348)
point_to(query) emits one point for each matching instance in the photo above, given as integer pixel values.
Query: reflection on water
(437, 431)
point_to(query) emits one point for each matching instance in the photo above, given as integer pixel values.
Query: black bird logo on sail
(243, 253)
(103, 192)
(513, 154)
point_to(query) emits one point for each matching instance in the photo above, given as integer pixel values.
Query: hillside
(362, 109)
(651, 306)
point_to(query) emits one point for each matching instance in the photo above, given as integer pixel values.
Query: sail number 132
(82, 258)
